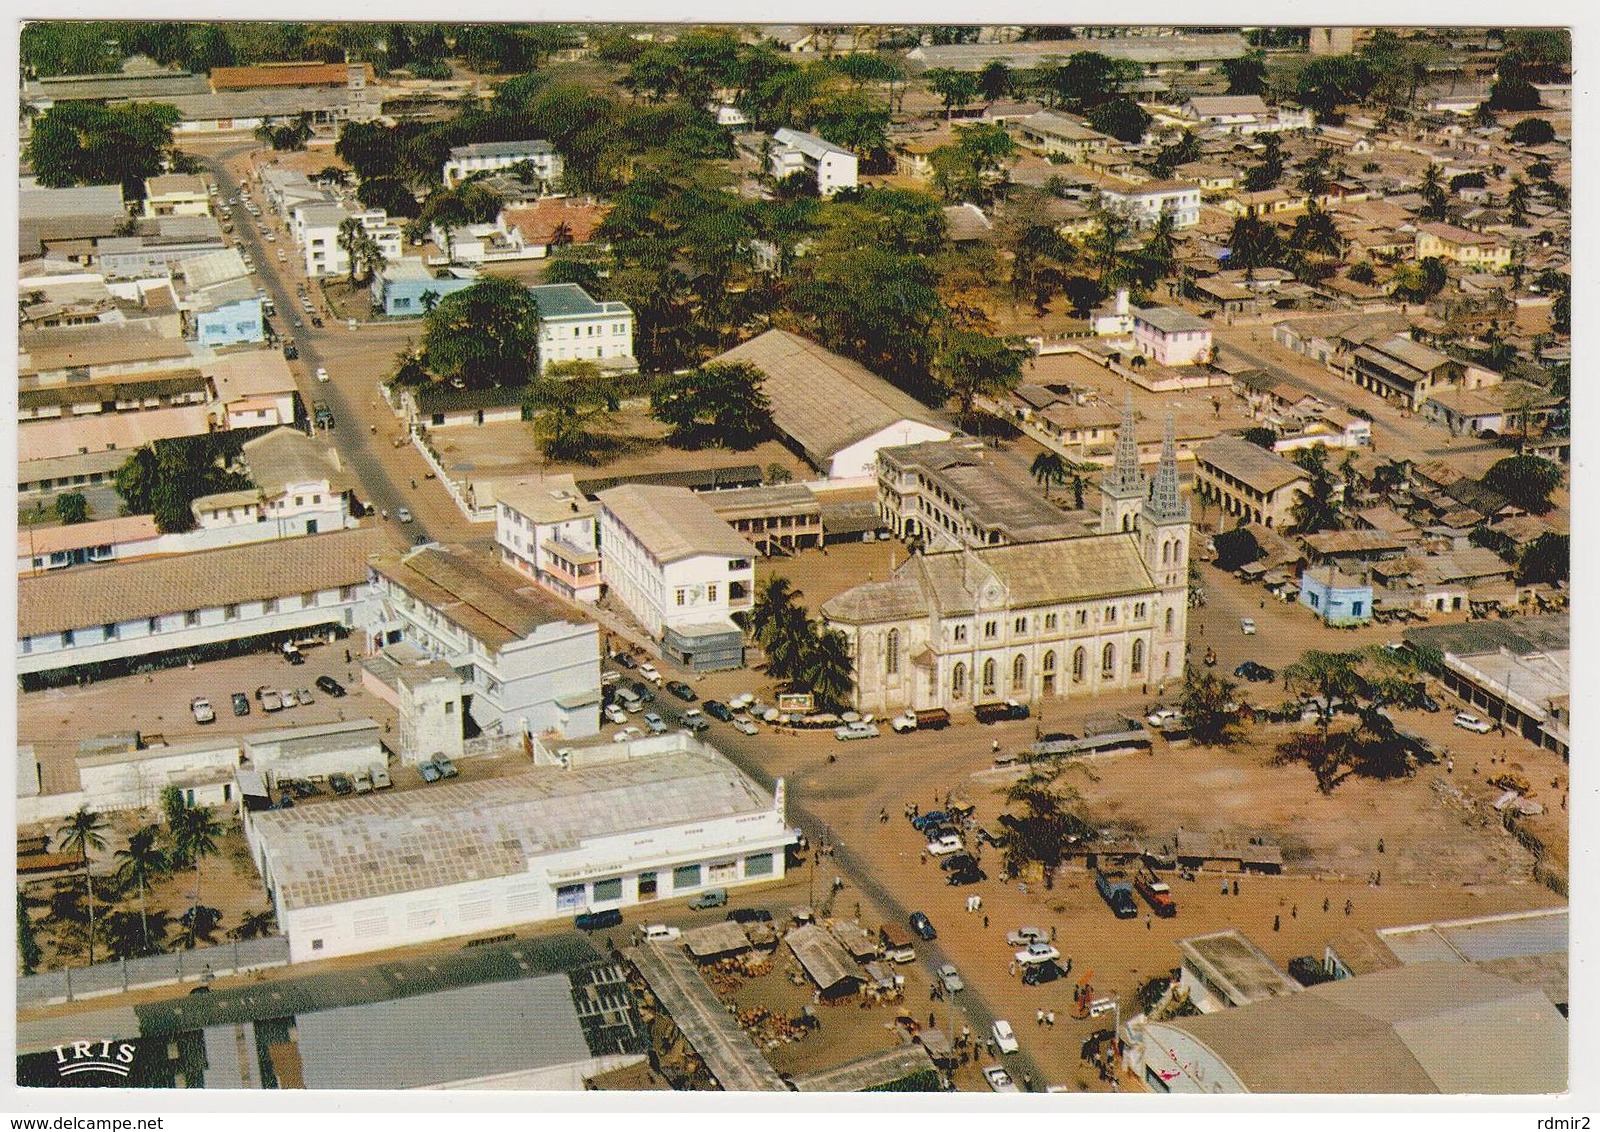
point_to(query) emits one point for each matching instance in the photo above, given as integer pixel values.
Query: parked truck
(1000, 710)
(929, 719)
(1117, 891)
(1156, 894)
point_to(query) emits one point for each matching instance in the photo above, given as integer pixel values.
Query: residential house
(573, 326)
(529, 665)
(1211, 176)
(556, 222)
(1144, 205)
(483, 157)
(1060, 135)
(1507, 409)
(1244, 114)
(176, 194)
(227, 314)
(681, 570)
(1403, 371)
(301, 487)
(400, 289)
(442, 405)
(1246, 481)
(549, 531)
(1479, 250)
(830, 167)
(1172, 337)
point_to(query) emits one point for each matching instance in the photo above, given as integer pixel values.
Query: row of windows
(988, 684)
(1051, 621)
(112, 630)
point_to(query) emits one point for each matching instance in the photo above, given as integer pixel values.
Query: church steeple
(1166, 503)
(1123, 491)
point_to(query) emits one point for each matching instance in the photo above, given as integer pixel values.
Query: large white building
(830, 166)
(301, 487)
(236, 596)
(529, 664)
(316, 231)
(549, 531)
(1145, 204)
(617, 826)
(681, 570)
(1056, 619)
(1172, 337)
(486, 157)
(574, 326)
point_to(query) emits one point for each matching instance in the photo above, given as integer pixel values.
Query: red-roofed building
(266, 75)
(540, 223)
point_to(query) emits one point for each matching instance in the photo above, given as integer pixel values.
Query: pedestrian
(1449, 766)
(1011, 969)
(930, 1020)
(1052, 933)
(1324, 903)
(1039, 1020)
(1050, 1019)
(986, 923)
(1147, 925)
(1349, 906)
(1377, 879)
(1236, 888)
(1069, 964)
(1276, 923)
(995, 746)
(1224, 888)
(1294, 911)
(1380, 845)
(1027, 1081)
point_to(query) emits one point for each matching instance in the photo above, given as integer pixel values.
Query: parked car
(623, 660)
(1038, 952)
(682, 691)
(304, 696)
(929, 819)
(750, 916)
(1003, 1036)
(292, 653)
(1163, 717)
(429, 772)
(922, 926)
(331, 686)
(958, 861)
(716, 709)
(322, 372)
(1427, 703)
(710, 898)
(945, 843)
(969, 875)
(643, 692)
(661, 933)
(1255, 673)
(1469, 722)
(201, 707)
(999, 1080)
(1247, 626)
(403, 514)
(287, 697)
(950, 978)
(694, 719)
(268, 699)
(241, 704)
(341, 784)
(447, 769)
(615, 714)
(363, 783)
(654, 722)
(650, 673)
(1037, 974)
(745, 725)
(856, 730)
(380, 777)
(627, 735)
(596, 921)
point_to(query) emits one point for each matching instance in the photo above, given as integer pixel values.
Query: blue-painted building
(228, 314)
(1336, 597)
(399, 288)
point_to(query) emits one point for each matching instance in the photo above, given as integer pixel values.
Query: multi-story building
(1058, 135)
(1038, 620)
(548, 530)
(402, 287)
(574, 326)
(316, 231)
(1145, 204)
(301, 486)
(1403, 371)
(485, 157)
(831, 167)
(946, 494)
(680, 569)
(1249, 482)
(529, 665)
(1243, 114)
(1172, 337)
(1481, 250)
(176, 194)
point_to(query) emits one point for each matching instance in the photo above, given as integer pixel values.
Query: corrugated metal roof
(824, 960)
(1249, 463)
(673, 523)
(490, 602)
(867, 1072)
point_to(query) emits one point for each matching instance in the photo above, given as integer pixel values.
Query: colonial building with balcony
(547, 530)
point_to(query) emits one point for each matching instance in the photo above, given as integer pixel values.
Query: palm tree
(254, 925)
(80, 834)
(1517, 202)
(826, 667)
(1048, 469)
(349, 241)
(369, 253)
(789, 643)
(196, 836)
(142, 861)
(774, 601)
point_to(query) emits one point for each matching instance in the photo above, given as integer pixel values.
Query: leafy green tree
(1269, 172)
(81, 143)
(1181, 152)
(1331, 81)
(389, 194)
(859, 124)
(1122, 118)
(1046, 825)
(1209, 708)
(140, 864)
(825, 666)
(485, 335)
(1317, 509)
(1362, 272)
(1253, 243)
(1547, 560)
(1525, 481)
(163, 478)
(956, 89)
(994, 81)
(72, 507)
(29, 954)
(872, 304)
(565, 410)
(1086, 79)
(1533, 131)
(1316, 233)
(82, 833)
(1419, 282)
(1261, 436)
(721, 405)
(1247, 74)
(973, 364)
(1513, 94)
(66, 47)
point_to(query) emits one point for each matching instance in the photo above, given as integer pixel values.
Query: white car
(1003, 1036)
(999, 1080)
(1024, 936)
(1247, 626)
(856, 730)
(288, 698)
(949, 843)
(648, 671)
(1469, 722)
(1159, 719)
(1037, 952)
(322, 373)
(661, 933)
(615, 714)
(202, 710)
(745, 726)
(627, 735)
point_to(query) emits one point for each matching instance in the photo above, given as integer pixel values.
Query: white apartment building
(1146, 203)
(680, 569)
(547, 530)
(793, 151)
(258, 592)
(620, 825)
(485, 157)
(300, 485)
(1244, 114)
(1172, 337)
(574, 326)
(528, 664)
(316, 231)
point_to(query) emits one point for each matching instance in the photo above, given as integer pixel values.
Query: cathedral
(1059, 618)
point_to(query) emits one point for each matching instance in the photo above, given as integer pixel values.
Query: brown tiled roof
(538, 222)
(283, 74)
(151, 587)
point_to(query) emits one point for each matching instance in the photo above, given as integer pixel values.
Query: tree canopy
(81, 143)
(720, 405)
(484, 335)
(1525, 481)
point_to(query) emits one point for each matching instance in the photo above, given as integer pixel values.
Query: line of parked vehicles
(270, 699)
